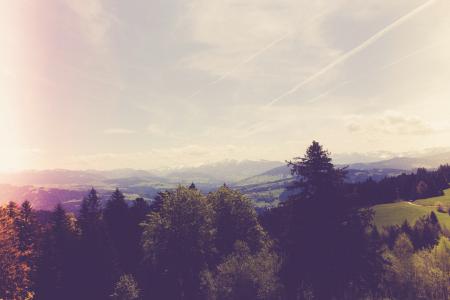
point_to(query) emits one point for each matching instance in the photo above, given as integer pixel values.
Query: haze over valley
(224, 150)
(265, 182)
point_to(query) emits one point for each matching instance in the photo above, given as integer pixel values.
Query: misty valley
(224, 150)
(305, 230)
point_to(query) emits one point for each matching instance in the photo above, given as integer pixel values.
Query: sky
(153, 84)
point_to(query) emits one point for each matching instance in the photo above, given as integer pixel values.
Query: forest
(319, 244)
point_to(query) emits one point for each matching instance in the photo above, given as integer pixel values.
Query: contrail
(250, 58)
(326, 93)
(242, 63)
(382, 68)
(411, 54)
(354, 51)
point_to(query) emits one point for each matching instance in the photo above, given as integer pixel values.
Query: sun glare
(10, 152)
(12, 82)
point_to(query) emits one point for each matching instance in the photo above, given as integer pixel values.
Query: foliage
(420, 185)
(235, 219)
(325, 241)
(118, 223)
(138, 212)
(244, 275)
(421, 275)
(126, 288)
(96, 259)
(424, 234)
(57, 264)
(15, 281)
(319, 244)
(178, 243)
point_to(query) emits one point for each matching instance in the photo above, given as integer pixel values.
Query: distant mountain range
(226, 171)
(353, 175)
(71, 177)
(429, 161)
(46, 188)
(264, 181)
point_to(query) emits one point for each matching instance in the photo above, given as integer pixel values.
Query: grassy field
(445, 200)
(396, 213)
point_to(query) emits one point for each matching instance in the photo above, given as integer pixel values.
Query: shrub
(441, 208)
(126, 288)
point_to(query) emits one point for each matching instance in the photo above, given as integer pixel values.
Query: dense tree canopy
(179, 242)
(14, 271)
(325, 238)
(319, 244)
(235, 220)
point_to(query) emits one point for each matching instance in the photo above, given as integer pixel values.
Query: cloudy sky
(156, 83)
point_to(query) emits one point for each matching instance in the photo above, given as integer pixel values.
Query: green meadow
(397, 213)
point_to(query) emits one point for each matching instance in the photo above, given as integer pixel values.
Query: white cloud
(230, 32)
(396, 123)
(118, 131)
(390, 123)
(155, 130)
(353, 127)
(141, 65)
(171, 157)
(95, 21)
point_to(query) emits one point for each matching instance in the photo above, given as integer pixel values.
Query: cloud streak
(411, 54)
(391, 123)
(382, 68)
(241, 64)
(353, 51)
(118, 131)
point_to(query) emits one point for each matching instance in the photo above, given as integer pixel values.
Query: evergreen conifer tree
(98, 266)
(118, 222)
(327, 246)
(57, 265)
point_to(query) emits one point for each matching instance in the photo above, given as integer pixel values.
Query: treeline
(419, 185)
(187, 245)
(66, 257)
(184, 245)
(418, 260)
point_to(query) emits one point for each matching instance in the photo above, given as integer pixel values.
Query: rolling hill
(397, 213)
(265, 182)
(229, 171)
(429, 161)
(269, 188)
(46, 188)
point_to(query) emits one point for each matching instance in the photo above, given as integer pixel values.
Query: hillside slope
(429, 161)
(396, 213)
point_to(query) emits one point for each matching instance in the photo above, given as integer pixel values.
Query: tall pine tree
(98, 267)
(118, 222)
(57, 265)
(327, 246)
